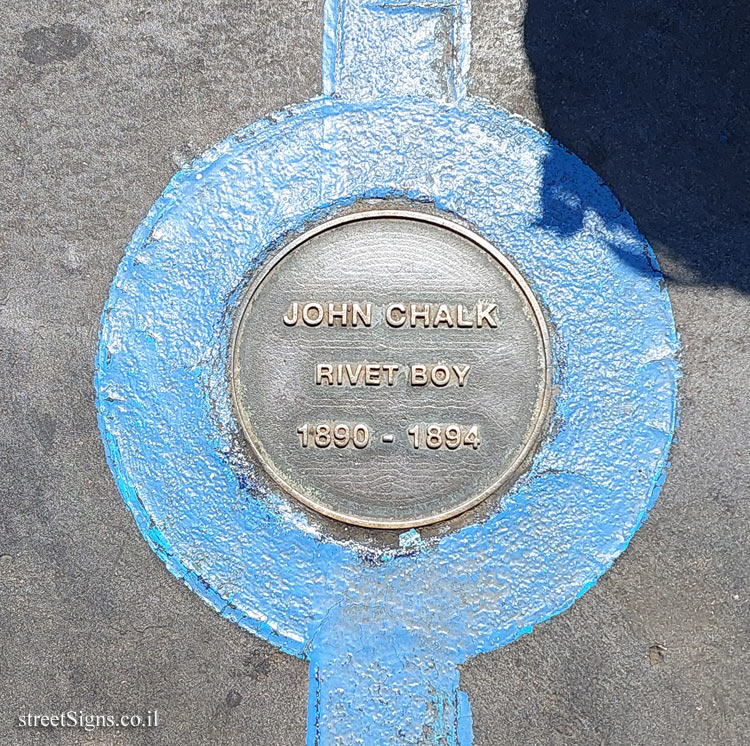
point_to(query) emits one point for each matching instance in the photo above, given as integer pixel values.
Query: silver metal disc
(390, 369)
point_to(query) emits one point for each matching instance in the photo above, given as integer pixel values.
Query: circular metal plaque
(390, 369)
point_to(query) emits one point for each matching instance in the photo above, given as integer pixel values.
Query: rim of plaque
(536, 423)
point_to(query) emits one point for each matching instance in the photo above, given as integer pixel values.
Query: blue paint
(396, 48)
(384, 636)
(464, 723)
(410, 539)
(386, 686)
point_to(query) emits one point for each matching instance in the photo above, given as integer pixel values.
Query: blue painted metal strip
(382, 48)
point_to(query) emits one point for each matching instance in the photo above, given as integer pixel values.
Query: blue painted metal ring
(166, 418)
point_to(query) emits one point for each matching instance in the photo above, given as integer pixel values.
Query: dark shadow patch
(57, 43)
(654, 95)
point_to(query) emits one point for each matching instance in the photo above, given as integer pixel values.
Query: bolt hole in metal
(390, 369)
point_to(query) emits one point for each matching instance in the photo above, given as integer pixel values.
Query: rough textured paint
(376, 48)
(384, 634)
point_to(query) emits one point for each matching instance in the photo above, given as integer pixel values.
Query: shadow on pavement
(654, 95)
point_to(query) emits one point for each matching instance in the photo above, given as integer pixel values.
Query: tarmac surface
(101, 103)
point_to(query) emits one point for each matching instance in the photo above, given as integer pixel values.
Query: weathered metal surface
(394, 621)
(390, 369)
